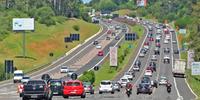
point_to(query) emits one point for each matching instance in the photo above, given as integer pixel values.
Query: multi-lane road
(85, 58)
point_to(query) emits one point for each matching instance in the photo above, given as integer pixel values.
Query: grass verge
(107, 73)
(42, 42)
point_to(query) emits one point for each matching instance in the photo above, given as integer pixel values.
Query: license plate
(73, 92)
(34, 96)
(55, 93)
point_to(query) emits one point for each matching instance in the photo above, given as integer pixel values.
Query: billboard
(113, 56)
(141, 3)
(190, 58)
(21, 24)
(195, 68)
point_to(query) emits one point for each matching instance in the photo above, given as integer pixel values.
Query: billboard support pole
(24, 44)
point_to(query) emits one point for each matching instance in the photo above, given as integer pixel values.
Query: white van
(18, 76)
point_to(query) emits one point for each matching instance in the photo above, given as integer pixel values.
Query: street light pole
(24, 44)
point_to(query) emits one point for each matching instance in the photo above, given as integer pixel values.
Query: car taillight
(21, 86)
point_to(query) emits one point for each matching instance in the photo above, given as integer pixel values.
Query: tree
(107, 5)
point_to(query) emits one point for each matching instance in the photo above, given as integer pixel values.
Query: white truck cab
(18, 76)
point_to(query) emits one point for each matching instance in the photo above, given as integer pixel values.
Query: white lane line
(179, 96)
(70, 58)
(105, 55)
(196, 97)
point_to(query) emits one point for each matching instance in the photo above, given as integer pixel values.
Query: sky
(86, 1)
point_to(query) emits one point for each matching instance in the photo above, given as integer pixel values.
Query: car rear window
(55, 83)
(105, 83)
(72, 84)
(36, 82)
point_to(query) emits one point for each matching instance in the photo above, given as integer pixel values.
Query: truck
(36, 89)
(18, 75)
(179, 68)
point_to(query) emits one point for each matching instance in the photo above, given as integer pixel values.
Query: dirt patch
(43, 48)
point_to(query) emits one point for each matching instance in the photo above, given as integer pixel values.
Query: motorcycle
(168, 89)
(128, 92)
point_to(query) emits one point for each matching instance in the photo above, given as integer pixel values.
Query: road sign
(113, 56)
(67, 39)
(130, 36)
(9, 68)
(195, 68)
(74, 76)
(190, 58)
(75, 37)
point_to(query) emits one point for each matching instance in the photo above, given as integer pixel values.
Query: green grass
(138, 29)
(122, 12)
(43, 41)
(107, 73)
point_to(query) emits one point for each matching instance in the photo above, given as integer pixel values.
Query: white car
(98, 46)
(154, 58)
(123, 81)
(163, 80)
(106, 86)
(128, 75)
(146, 46)
(166, 41)
(64, 69)
(25, 79)
(136, 68)
(148, 73)
(70, 72)
(18, 75)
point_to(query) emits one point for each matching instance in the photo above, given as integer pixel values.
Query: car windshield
(72, 84)
(55, 83)
(105, 83)
(124, 80)
(64, 67)
(26, 77)
(18, 74)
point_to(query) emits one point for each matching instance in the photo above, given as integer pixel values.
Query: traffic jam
(46, 87)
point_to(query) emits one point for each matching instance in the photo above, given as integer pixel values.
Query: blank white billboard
(21, 24)
(113, 56)
(195, 68)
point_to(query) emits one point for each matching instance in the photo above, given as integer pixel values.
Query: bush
(85, 17)
(76, 27)
(60, 19)
(88, 76)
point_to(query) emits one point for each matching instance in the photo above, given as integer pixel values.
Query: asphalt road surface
(179, 86)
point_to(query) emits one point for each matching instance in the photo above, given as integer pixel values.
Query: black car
(117, 38)
(157, 51)
(56, 86)
(144, 88)
(176, 51)
(137, 63)
(95, 42)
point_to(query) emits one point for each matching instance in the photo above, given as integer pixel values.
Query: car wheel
(112, 92)
(137, 93)
(83, 96)
(64, 96)
(100, 92)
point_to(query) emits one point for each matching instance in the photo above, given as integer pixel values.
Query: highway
(76, 60)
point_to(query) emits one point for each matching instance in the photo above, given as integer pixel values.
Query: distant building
(141, 3)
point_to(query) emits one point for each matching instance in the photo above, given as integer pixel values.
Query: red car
(158, 45)
(109, 32)
(151, 39)
(73, 88)
(150, 68)
(100, 53)
(146, 43)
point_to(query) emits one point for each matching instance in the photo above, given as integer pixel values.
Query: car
(146, 80)
(117, 38)
(151, 39)
(148, 73)
(100, 53)
(142, 53)
(146, 47)
(36, 89)
(95, 42)
(166, 41)
(150, 68)
(107, 38)
(25, 79)
(106, 86)
(123, 81)
(109, 32)
(98, 46)
(70, 72)
(64, 69)
(166, 50)
(154, 58)
(176, 51)
(144, 88)
(128, 75)
(146, 43)
(157, 41)
(153, 65)
(89, 87)
(116, 86)
(162, 80)
(73, 88)
(174, 41)
(56, 86)
(167, 37)
(18, 75)
(136, 68)
(156, 51)
(166, 59)
(117, 27)
(158, 45)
